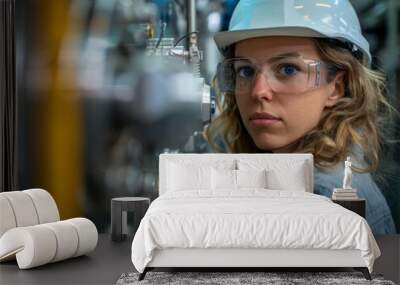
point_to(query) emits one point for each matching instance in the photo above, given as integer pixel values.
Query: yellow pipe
(59, 124)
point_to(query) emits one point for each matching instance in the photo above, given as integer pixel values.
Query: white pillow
(183, 177)
(224, 179)
(251, 178)
(281, 174)
(293, 180)
(235, 179)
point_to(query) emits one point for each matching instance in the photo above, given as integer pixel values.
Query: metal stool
(119, 218)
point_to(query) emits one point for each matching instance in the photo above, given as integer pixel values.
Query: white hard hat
(335, 19)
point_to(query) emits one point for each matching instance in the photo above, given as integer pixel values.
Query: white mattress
(251, 218)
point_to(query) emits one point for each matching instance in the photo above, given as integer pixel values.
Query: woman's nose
(261, 89)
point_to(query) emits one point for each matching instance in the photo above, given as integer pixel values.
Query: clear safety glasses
(284, 74)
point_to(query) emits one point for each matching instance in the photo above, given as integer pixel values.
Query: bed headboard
(219, 159)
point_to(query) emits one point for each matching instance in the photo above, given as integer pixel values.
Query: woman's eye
(288, 70)
(245, 71)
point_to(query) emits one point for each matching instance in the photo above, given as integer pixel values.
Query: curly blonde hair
(357, 119)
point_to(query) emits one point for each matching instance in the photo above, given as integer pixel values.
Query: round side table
(119, 215)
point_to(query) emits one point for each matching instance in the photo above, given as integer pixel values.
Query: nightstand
(119, 210)
(357, 205)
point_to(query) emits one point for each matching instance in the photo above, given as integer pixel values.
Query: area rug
(243, 278)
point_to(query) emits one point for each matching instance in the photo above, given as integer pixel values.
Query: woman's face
(276, 120)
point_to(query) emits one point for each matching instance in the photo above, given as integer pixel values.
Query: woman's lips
(263, 119)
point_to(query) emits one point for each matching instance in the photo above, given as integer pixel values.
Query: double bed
(247, 210)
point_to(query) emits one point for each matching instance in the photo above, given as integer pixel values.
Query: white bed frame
(246, 258)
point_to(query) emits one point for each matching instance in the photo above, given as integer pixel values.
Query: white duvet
(251, 218)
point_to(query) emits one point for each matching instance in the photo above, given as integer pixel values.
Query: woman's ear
(336, 91)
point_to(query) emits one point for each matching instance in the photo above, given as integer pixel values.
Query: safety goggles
(284, 74)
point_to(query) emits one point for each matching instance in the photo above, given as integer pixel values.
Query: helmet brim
(227, 38)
